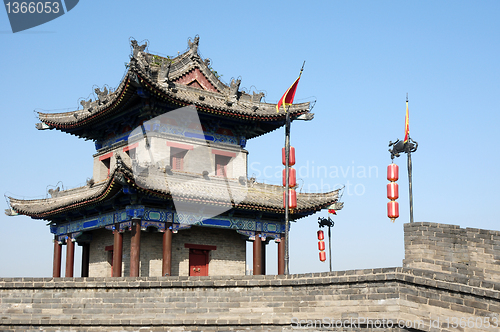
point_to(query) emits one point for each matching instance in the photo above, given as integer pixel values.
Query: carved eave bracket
(42, 126)
(11, 212)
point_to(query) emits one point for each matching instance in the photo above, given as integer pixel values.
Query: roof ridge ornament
(54, 192)
(136, 48)
(257, 97)
(86, 104)
(234, 91)
(102, 96)
(138, 60)
(164, 70)
(193, 46)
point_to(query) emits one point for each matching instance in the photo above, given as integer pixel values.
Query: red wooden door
(198, 262)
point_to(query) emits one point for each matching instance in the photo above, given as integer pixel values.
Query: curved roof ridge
(144, 80)
(187, 61)
(259, 196)
(90, 108)
(179, 69)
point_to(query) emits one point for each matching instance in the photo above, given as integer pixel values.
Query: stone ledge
(449, 281)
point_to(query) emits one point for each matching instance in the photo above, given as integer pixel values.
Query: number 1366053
(32, 7)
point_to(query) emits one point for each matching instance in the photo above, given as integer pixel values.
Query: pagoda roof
(180, 81)
(195, 188)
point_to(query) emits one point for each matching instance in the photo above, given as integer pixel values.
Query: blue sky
(361, 57)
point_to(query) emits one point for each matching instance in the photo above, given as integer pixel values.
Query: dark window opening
(221, 163)
(177, 158)
(131, 153)
(107, 163)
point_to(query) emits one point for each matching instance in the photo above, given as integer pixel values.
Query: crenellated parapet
(451, 249)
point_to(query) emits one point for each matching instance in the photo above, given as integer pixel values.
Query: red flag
(407, 124)
(287, 98)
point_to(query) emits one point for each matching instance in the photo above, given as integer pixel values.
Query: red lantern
(321, 235)
(332, 211)
(392, 191)
(292, 198)
(292, 176)
(393, 210)
(321, 245)
(322, 256)
(291, 156)
(392, 172)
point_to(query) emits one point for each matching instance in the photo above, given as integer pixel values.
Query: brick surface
(103, 304)
(454, 250)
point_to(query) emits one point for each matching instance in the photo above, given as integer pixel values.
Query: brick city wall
(391, 299)
(414, 298)
(451, 249)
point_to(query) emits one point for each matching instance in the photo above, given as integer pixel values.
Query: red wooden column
(117, 252)
(257, 255)
(167, 251)
(135, 248)
(56, 266)
(85, 259)
(281, 255)
(263, 262)
(70, 257)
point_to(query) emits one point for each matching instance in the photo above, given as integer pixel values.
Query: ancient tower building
(170, 193)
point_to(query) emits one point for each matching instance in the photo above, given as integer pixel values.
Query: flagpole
(408, 152)
(406, 146)
(409, 181)
(287, 185)
(287, 189)
(330, 244)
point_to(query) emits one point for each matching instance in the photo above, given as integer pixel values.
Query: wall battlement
(411, 299)
(451, 249)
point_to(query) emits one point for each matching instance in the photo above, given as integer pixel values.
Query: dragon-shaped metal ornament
(399, 147)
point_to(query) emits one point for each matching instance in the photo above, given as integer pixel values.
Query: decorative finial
(257, 97)
(137, 48)
(86, 104)
(233, 90)
(103, 96)
(193, 45)
(54, 192)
